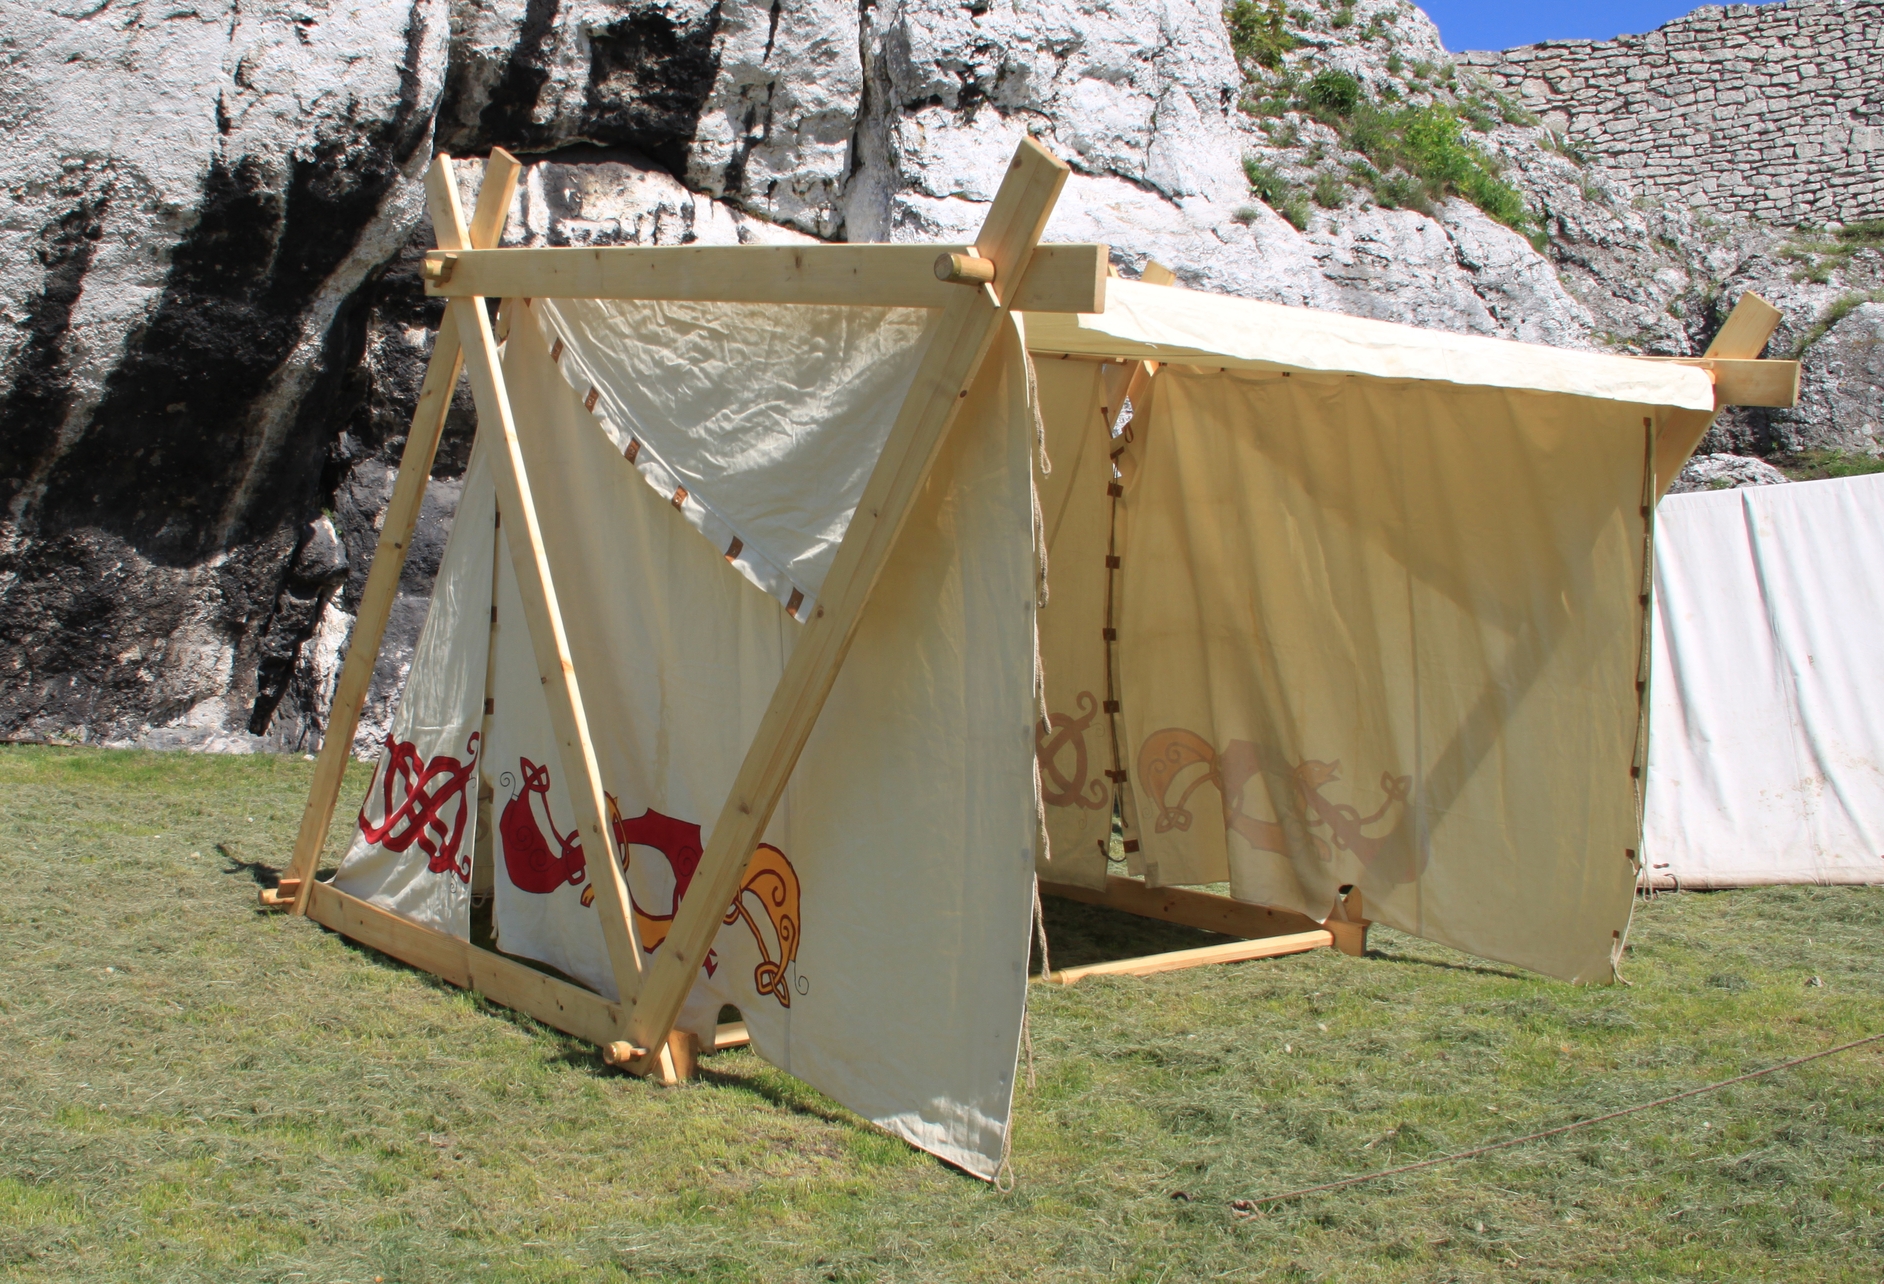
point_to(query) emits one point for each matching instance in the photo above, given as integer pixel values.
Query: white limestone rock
(212, 327)
(1725, 472)
(1841, 397)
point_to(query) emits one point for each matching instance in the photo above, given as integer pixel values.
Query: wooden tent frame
(973, 288)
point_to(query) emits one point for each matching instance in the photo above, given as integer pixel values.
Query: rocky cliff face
(213, 331)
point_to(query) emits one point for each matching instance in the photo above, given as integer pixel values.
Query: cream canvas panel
(1159, 323)
(1387, 634)
(675, 656)
(1075, 752)
(878, 944)
(715, 401)
(417, 828)
(915, 799)
(1766, 743)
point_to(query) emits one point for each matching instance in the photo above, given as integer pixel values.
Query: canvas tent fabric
(678, 655)
(1375, 619)
(1371, 629)
(417, 829)
(1766, 759)
(769, 463)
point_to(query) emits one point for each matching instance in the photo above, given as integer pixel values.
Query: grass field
(192, 1091)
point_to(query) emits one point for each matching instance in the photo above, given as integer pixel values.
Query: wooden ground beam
(389, 559)
(503, 980)
(962, 335)
(1178, 960)
(582, 775)
(1345, 926)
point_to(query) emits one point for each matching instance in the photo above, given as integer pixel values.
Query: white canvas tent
(802, 602)
(1766, 762)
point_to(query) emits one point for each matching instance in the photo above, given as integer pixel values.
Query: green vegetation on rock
(1817, 465)
(1429, 149)
(1841, 307)
(1820, 254)
(1417, 155)
(1258, 33)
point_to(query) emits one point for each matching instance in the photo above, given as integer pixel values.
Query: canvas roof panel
(1159, 323)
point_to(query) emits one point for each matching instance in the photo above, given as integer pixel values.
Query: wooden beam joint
(438, 267)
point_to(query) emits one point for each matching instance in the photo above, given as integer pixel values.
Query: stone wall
(1774, 111)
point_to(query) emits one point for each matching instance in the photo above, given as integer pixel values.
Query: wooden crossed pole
(389, 559)
(986, 283)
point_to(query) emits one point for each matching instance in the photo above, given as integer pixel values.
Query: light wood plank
(542, 612)
(389, 559)
(1349, 924)
(504, 981)
(960, 338)
(1178, 960)
(1755, 383)
(1744, 381)
(1065, 278)
(1061, 278)
(731, 1035)
(1746, 329)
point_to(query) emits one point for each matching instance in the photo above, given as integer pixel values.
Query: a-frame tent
(853, 551)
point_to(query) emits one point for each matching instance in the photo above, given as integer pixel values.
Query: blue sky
(1500, 24)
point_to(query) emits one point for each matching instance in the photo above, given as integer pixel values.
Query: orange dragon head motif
(767, 899)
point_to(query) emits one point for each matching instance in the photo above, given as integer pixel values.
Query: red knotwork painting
(1174, 763)
(528, 859)
(424, 803)
(1053, 743)
(769, 887)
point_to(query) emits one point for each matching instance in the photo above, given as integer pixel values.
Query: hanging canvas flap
(877, 945)
(759, 423)
(417, 828)
(1388, 635)
(1076, 750)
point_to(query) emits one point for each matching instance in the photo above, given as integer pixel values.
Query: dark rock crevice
(168, 522)
(36, 405)
(649, 77)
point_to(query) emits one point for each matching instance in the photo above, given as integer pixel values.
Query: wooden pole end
(964, 269)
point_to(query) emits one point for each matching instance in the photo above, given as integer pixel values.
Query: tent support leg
(395, 538)
(542, 612)
(962, 335)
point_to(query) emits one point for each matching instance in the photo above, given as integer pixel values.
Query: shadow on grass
(1478, 969)
(770, 1084)
(261, 872)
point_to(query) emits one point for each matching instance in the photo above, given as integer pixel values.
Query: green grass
(192, 1090)
(1276, 192)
